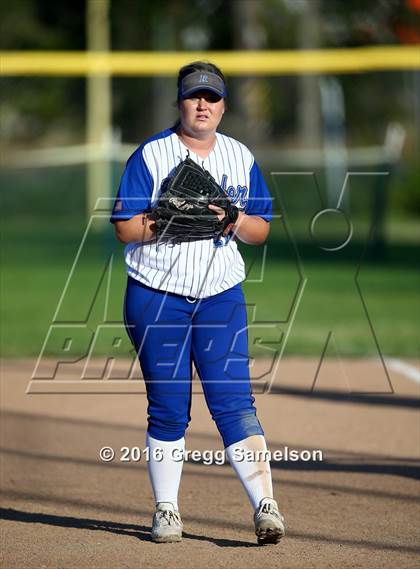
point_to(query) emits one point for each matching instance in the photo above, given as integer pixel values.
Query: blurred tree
(406, 194)
(52, 110)
(42, 24)
(38, 108)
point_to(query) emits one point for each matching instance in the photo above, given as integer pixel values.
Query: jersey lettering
(237, 196)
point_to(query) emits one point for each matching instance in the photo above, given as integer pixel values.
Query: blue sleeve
(259, 198)
(135, 191)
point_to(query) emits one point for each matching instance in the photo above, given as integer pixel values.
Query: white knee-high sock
(253, 472)
(165, 474)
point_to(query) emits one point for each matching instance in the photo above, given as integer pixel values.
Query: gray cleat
(269, 523)
(167, 524)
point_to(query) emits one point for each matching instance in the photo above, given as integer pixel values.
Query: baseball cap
(201, 81)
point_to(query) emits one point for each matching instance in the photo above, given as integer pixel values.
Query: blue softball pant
(169, 332)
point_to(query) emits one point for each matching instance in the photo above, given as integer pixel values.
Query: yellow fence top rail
(352, 60)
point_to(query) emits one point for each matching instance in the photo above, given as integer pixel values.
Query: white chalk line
(407, 370)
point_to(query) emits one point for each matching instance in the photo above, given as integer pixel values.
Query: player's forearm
(252, 230)
(135, 230)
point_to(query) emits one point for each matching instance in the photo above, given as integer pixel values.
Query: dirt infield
(358, 507)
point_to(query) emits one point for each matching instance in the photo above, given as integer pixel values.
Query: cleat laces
(269, 508)
(172, 518)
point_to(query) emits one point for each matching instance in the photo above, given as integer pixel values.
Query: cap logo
(200, 80)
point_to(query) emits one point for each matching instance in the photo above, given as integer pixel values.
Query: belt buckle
(190, 299)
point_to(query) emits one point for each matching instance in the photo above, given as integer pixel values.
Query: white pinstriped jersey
(198, 269)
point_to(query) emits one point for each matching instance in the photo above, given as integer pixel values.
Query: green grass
(38, 255)
(330, 301)
(43, 223)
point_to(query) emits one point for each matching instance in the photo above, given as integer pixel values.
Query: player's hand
(220, 212)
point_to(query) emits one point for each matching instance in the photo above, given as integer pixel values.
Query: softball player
(184, 303)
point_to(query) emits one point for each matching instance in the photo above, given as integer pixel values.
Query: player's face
(201, 113)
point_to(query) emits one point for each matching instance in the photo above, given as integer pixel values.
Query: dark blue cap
(201, 81)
